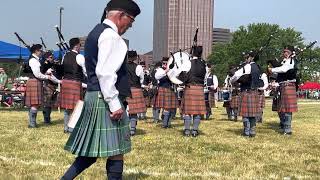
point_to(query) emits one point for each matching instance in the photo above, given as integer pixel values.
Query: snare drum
(226, 95)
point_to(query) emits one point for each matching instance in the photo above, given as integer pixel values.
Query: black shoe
(132, 132)
(164, 127)
(287, 133)
(252, 135)
(65, 131)
(195, 133)
(245, 135)
(186, 132)
(32, 126)
(47, 123)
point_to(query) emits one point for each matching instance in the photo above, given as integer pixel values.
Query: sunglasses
(130, 17)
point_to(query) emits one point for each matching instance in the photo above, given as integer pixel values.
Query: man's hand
(117, 115)
(270, 70)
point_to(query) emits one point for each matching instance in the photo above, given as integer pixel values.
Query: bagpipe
(62, 44)
(255, 53)
(25, 67)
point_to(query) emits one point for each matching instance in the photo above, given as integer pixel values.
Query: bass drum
(226, 95)
(181, 62)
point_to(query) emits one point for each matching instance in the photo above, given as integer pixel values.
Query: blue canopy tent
(11, 53)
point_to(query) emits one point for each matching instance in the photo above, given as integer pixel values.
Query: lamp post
(61, 9)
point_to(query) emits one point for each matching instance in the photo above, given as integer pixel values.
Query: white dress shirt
(160, 73)
(111, 55)
(140, 74)
(239, 73)
(264, 78)
(286, 66)
(81, 62)
(35, 67)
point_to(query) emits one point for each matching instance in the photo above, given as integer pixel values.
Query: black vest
(165, 82)
(91, 56)
(291, 74)
(45, 65)
(197, 72)
(27, 71)
(72, 70)
(134, 80)
(254, 81)
(210, 80)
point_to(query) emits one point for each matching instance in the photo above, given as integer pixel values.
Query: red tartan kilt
(249, 104)
(34, 94)
(235, 101)
(193, 101)
(70, 93)
(288, 98)
(212, 102)
(262, 100)
(137, 103)
(166, 99)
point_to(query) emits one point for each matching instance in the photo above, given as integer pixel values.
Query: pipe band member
(136, 103)
(166, 97)
(73, 76)
(211, 82)
(34, 91)
(249, 79)
(103, 130)
(286, 79)
(193, 102)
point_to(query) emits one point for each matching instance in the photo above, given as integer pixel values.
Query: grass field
(218, 153)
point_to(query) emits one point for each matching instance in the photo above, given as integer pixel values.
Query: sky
(33, 19)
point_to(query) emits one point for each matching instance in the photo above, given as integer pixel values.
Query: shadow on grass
(140, 132)
(135, 176)
(273, 125)
(237, 132)
(53, 123)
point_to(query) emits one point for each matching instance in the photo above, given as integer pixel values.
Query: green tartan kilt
(95, 134)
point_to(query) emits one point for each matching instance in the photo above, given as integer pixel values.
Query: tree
(249, 38)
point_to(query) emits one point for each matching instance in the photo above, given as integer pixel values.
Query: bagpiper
(136, 103)
(286, 82)
(249, 84)
(193, 101)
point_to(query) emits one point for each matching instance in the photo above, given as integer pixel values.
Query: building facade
(221, 36)
(175, 24)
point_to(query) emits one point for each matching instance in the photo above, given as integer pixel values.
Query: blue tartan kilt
(95, 134)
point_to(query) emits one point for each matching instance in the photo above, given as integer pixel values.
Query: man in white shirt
(33, 98)
(103, 129)
(211, 84)
(286, 79)
(261, 90)
(136, 103)
(73, 76)
(249, 79)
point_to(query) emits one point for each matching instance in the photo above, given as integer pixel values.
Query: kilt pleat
(95, 134)
(211, 99)
(34, 94)
(235, 101)
(137, 103)
(249, 104)
(166, 99)
(49, 98)
(193, 101)
(288, 98)
(70, 93)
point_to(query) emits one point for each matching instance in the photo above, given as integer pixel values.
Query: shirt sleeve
(284, 68)
(215, 82)
(35, 67)
(111, 54)
(239, 73)
(81, 62)
(160, 73)
(140, 73)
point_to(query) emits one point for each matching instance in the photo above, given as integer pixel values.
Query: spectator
(3, 79)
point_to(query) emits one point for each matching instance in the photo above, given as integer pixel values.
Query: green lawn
(218, 153)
